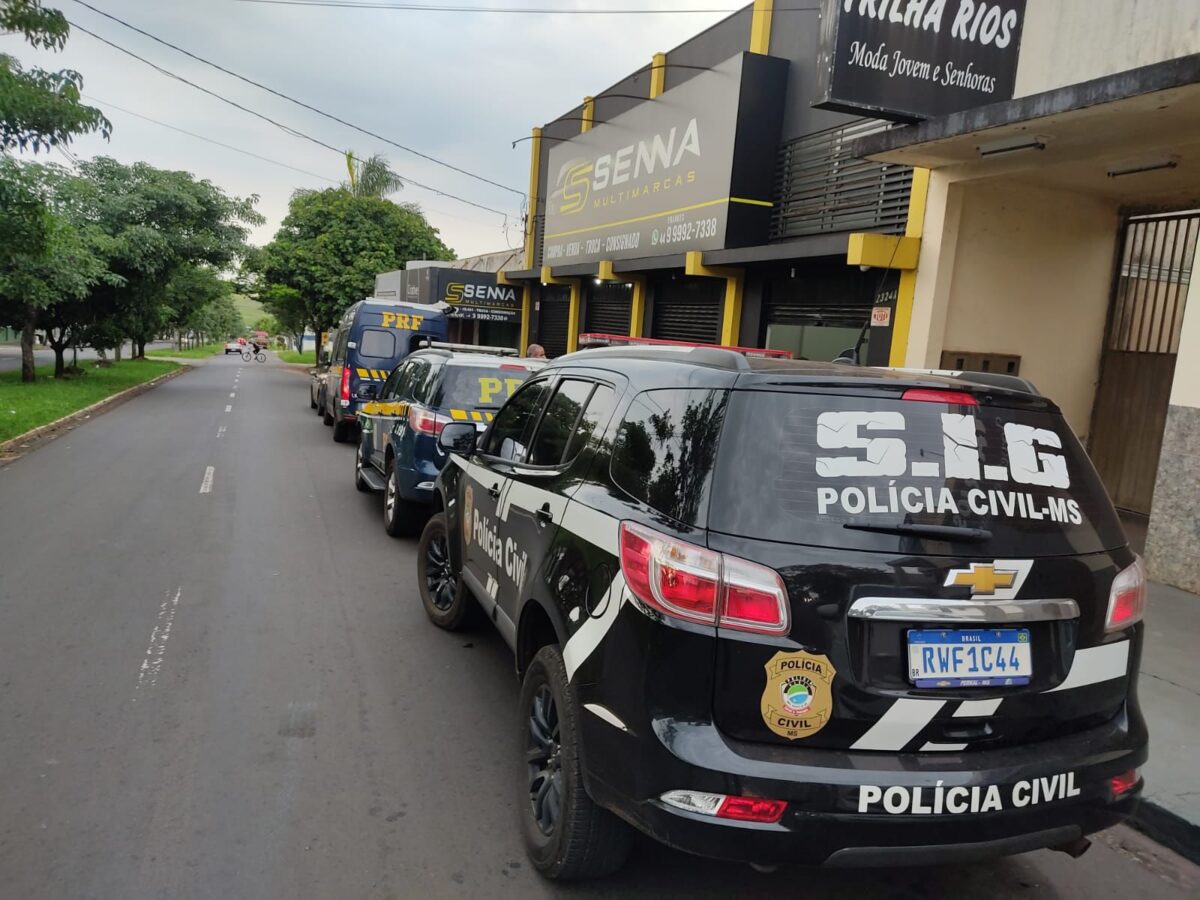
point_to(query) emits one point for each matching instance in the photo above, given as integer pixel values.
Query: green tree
(218, 317)
(287, 308)
(48, 274)
(190, 291)
(39, 109)
(331, 245)
(371, 177)
(157, 223)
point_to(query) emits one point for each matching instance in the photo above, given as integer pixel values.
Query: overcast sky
(457, 86)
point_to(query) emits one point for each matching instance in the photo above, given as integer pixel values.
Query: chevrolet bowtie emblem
(982, 578)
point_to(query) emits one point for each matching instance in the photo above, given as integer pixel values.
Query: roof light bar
(596, 339)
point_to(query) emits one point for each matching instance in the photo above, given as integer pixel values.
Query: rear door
(948, 567)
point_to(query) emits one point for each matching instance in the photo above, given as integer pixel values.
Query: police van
(370, 341)
(772, 610)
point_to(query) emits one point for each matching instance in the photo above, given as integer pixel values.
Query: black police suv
(779, 611)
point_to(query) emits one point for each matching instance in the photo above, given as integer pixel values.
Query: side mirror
(458, 437)
(369, 391)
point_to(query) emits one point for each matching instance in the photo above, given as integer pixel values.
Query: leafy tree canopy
(332, 244)
(39, 108)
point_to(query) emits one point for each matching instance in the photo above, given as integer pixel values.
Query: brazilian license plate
(958, 658)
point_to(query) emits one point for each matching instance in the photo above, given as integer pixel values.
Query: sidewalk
(1169, 689)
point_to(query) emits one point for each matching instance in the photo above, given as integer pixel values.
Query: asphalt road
(234, 693)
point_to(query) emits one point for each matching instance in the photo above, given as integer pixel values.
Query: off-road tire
(587, 841)
(461, 610)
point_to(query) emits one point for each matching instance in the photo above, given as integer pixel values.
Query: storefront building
(703, 198)
(1060, 237)
(1006, 186)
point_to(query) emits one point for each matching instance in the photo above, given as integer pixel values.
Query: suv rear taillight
(424, 421)
(345, 389)
(1127, 598)
(699, 585)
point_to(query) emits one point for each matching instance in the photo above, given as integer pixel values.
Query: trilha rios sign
(915, 59)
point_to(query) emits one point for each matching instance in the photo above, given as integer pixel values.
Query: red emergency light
(624, 340)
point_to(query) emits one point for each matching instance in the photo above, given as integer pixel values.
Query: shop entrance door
(1138, 361)
(554, 316)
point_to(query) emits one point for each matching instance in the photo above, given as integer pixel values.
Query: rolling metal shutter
(608, 309)
(553, 318)
(813, 314)
(688, 309)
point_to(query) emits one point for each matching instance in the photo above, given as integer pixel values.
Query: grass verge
(26, 406)
(295, 356)
(194, 353)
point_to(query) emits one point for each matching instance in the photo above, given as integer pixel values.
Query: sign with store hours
(690, 170)
(916, 59)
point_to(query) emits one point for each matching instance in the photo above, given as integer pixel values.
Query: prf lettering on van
(490, 386)
(402, 321)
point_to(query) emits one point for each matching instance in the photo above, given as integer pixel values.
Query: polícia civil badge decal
(468, 510)
(798, 698)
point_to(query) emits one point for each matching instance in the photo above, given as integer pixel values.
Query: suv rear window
(800, 467)
(665, 449)
(479, 387)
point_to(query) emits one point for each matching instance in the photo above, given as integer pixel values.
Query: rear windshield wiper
(936, 532)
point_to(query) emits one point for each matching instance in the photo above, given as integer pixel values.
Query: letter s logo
(577, 186)
(454, 292)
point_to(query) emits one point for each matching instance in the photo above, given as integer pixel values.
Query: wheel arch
(539, 626)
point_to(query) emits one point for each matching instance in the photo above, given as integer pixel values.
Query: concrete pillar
(1173, 540)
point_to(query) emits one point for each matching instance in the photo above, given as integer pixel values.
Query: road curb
(16, 447)
(1167, 828)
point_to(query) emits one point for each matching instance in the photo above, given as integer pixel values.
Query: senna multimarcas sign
(691, 169)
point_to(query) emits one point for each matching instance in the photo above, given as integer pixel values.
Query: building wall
(1068, 41)
(1173, 539)
(1030, 274)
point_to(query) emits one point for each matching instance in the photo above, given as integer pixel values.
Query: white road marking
(228, 407)
(152, 662)
(232, 394)
(221, 432)
(206, 484)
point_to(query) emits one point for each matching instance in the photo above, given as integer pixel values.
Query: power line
(285, 128)
(209, 140)
(264, 159)
(300, 103)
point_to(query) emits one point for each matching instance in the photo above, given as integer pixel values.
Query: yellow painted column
(760, 26)
(589, 114)
(535, 165)
(914, 228)
(658, 75)
(735, 279)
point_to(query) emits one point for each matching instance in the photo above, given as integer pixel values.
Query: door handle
(544, 513)
(494, 491)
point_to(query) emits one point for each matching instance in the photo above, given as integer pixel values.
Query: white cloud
(459, 86)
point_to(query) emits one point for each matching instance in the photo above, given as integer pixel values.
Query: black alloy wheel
(567, 835)
(446, 599)
(543, 757)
